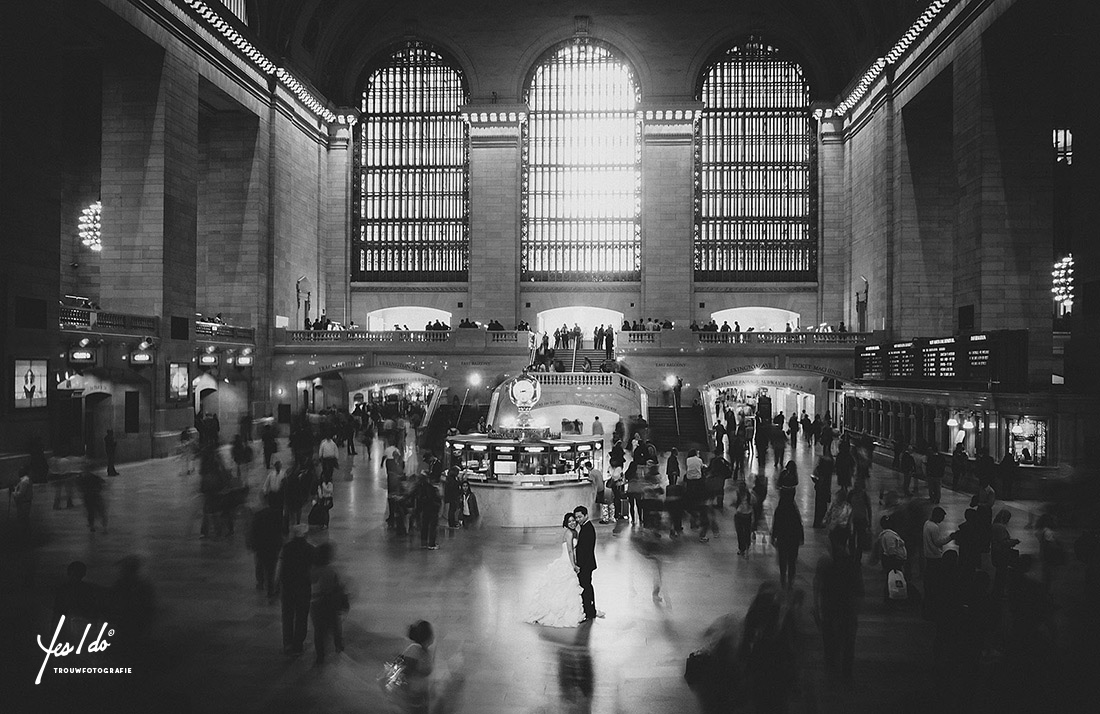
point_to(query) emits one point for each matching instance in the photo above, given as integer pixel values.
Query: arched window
(756, 197)
(580, 207)
(411, 172)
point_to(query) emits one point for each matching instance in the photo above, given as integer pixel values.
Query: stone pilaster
(149, 186)
(668, 214)
(836, 287)
(495, 192)
(336, 235)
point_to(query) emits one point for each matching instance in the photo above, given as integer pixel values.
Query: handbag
(896, 586)
(699, 668)
(394, 678)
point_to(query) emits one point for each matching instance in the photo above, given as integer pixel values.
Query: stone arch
(618, 42)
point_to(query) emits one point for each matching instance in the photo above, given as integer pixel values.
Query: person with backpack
(890, 551)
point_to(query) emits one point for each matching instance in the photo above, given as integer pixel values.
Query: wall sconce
(968, 424)
(1017, 429)
(952, 422)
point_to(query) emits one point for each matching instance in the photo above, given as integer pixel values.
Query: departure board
(900, 361)
(988, 361)
(871, 362)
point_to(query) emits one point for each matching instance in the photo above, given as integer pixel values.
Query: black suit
(586, 560)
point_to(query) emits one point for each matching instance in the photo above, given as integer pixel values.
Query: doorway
(588, 318)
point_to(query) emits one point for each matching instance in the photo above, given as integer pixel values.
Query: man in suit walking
(586, 562)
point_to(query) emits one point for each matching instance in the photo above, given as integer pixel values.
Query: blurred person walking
(295, 589)
(328, 600)
(419, 661)
(787, 536)
(91, 487)
(266, 539)
(838, 589)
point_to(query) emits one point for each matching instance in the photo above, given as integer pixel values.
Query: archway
(411, 317)
(205, 389)
(588, 318)
(767, 392)
(760, 319)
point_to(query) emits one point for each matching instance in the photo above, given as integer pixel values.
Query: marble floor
(216, 642)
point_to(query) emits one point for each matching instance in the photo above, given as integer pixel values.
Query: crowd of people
(988, 604)
(713, 326)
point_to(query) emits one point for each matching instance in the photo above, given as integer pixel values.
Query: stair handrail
(576, 343)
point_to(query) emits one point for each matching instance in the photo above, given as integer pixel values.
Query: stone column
(495, 193)
(668, 213)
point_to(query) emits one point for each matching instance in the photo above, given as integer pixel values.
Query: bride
(557, 598)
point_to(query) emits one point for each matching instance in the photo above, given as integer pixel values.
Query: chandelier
(1063, 283)
(89, 227)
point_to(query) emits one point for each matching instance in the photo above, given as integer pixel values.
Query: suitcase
(318, 515)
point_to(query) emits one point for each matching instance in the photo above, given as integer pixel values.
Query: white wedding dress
(556, 601)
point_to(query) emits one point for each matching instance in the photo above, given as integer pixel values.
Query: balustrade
(216, 331)
(80, 318)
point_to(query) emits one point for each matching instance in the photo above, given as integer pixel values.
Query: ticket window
(504, 467)
(475, 458)
(534, 461)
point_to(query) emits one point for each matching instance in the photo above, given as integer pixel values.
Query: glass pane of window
(411, 212)
(581, 167)
(755, 183)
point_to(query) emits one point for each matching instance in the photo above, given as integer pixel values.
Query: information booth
(528, 478)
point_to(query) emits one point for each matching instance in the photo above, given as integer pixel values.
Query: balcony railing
(84, 319)
(332, 336)
(586, 379)
(783, 338)
(215, 332)
(642, 338)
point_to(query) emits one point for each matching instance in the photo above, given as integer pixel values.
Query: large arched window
(411, 174)
(581, 157)
(755, 207)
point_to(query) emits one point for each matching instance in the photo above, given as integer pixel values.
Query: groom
(586, 561)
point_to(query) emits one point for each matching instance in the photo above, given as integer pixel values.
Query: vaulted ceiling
(330, 42)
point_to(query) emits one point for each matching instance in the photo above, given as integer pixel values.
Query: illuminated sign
(245, 361)
(179, 381)
(208, 360)
(141, 357)
(81, 356)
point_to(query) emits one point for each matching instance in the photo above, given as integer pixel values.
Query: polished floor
(216, 642)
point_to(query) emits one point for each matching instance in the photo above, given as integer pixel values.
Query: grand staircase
(595, 356)
(693, 428)
(433, 436)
